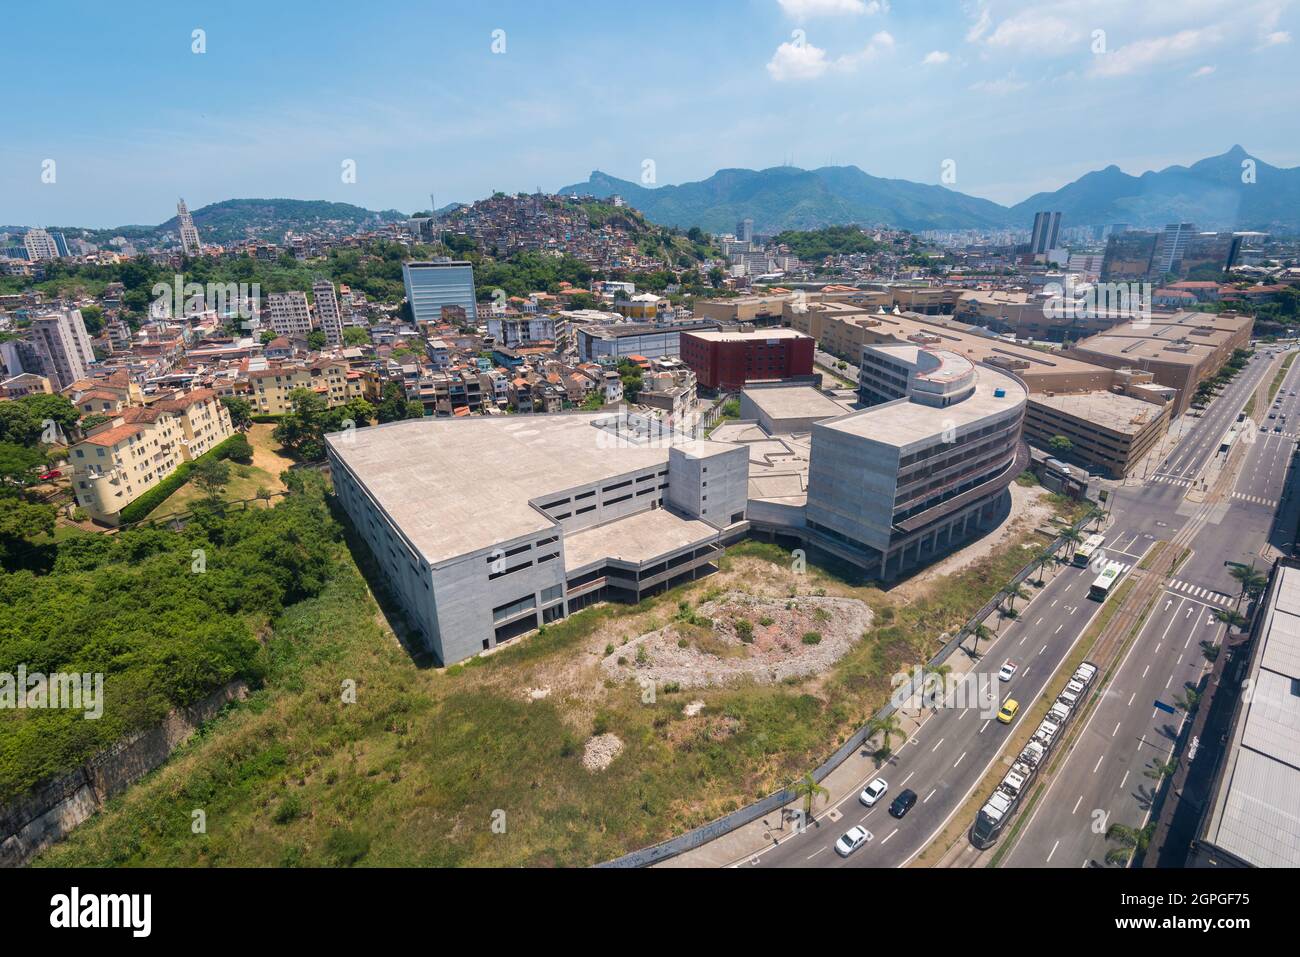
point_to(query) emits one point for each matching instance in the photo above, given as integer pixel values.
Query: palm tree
(1045, 559)
(809, 790)
(980, 632)
(1014, 592)
(1160, 770)
(1232, 619)
(886, 727)
(1131, 841)
(1252, 581)
(1072, 538)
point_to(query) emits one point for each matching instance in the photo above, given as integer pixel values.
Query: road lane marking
(891, 834)
(930, 795)
(1098, 764)
(1077, 803)
(958, 761)
(936, 747)
(1053, 851)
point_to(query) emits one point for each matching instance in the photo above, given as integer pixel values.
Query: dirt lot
(739, 636)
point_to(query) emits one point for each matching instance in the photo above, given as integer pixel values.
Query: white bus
(1105, 582)
(1083, 554)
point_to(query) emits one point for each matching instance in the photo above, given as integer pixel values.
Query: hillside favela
(621, 439)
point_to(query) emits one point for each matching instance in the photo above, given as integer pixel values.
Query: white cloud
(936, 56)
(1000, 87)
(1038, 30)
(1143, 54)
(797, 61)
(980, 26)
(1204, 71)
(803, 61)
(1276, 38)
(806, 9)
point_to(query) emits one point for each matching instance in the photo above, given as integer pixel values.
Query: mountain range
(1214, 193)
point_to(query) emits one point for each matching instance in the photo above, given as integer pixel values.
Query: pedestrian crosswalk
(1171, 480)
(1204, 594)
(1255, 499)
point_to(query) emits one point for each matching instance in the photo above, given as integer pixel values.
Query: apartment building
(139, 447)
(271, 383)
(39, 245)
(288, 313)
(327, 311)
(554, 513)
(62, 346)
(516, 332)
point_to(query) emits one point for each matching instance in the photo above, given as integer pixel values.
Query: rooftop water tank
(999, 393)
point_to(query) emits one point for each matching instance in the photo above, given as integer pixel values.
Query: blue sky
(1022, 95)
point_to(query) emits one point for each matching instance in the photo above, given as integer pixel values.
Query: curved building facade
(923, 467)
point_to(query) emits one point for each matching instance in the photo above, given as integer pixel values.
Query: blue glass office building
(432, 285)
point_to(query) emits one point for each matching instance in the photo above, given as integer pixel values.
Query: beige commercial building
(1086, 415)
(1108, 432)
(1180, 350)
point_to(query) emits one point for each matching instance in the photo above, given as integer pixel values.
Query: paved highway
(948, 756)
(1105, 777)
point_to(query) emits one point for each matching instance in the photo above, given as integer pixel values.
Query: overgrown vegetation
(413, 771)
(164, 616)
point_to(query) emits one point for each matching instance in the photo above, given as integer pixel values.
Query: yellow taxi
(1008, 710)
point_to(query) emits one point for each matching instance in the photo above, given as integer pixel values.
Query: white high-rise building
(327, 311)
(40, 245)
(63, 345)
(189, 232)
(289, 314)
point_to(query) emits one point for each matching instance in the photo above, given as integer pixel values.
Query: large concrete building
(1180, 350)
(547, 516)
(652, 340)
(1252, 816)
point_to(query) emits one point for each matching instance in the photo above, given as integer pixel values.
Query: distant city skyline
(1022, 97)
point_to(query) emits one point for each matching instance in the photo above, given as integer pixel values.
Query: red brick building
(728, 360)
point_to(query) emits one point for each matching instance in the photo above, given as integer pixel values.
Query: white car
(873, 792)
(853, 839)
(1008, 670)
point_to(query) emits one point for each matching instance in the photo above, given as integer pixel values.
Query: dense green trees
(241, 411)
(303, 428)
(165, 616)
(833, 240)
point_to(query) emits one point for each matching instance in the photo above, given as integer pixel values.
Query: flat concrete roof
(778, 464)
(458, 486)
(1256, 813)
(1183, 338)
(1118, 413)
(642, 537)
(753, 336)
(903, 422)
(794, 402)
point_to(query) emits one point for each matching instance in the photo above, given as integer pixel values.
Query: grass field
(425, 762)
(245, 479)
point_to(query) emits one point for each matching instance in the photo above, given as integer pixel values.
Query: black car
(903, 803)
